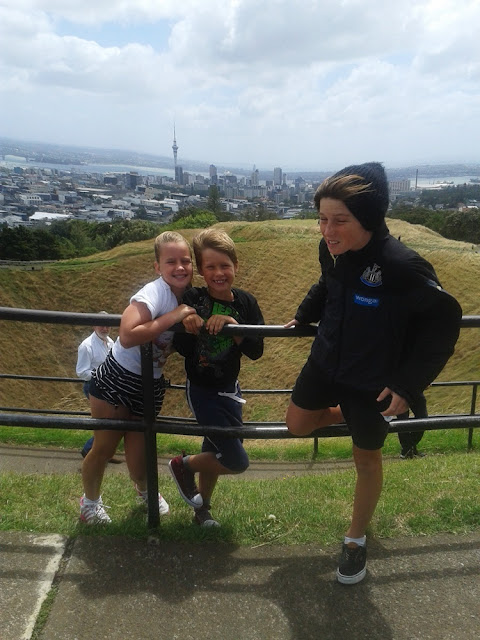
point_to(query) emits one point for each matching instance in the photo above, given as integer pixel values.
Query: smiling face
(175, 266)
(219, 272)
(341, 230)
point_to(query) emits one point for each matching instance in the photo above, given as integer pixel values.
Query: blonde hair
(167, 237)
(215, 239)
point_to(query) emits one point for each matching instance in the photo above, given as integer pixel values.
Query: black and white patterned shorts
(118, 386)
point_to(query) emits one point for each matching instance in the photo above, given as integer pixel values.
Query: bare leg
(209, 469)
(135, 458)
(367, 489)
(206, 485)
(301, 422)
(105, 444)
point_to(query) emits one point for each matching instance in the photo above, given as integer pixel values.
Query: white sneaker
(163, 507)
(94, 512)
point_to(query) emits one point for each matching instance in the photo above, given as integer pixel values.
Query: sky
(300, 84)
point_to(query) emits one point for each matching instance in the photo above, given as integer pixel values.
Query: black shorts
(220, 407)
(360, 409)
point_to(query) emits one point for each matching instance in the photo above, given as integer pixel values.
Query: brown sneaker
(185, 481)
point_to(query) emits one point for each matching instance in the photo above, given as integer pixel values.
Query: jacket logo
(366, 302)
(372, 276)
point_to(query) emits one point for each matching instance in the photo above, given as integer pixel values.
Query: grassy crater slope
(278, 264)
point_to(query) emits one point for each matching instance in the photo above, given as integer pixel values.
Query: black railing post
(472, 413)
(150, 435)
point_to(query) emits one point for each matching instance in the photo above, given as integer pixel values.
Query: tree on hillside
(255, 214)
(451, 196)
(213, 202)
(124, 231)
(140, 214)
(81, 235)
(22, 243)
(463, 225)
(45, 249)
(185, 212)
(200, 220)
(413, 215)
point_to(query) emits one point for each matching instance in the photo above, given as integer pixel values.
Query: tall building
(277, 176)
(132, 179)
(175, 149)
(213, 174)
(178, 174)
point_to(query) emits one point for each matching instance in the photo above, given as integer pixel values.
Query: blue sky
(111, 34)
(300, 84)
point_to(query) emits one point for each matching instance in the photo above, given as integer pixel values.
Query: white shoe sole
(358, 577)
(195, 502)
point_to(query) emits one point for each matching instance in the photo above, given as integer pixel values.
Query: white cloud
(277, 81)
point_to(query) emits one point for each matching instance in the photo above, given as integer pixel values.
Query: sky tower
(175, 148)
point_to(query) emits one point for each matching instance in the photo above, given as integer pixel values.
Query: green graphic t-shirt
(214, 361)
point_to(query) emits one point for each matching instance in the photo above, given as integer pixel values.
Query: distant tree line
(456, 225)
(449, 197)
(71, 238)
(77, 238)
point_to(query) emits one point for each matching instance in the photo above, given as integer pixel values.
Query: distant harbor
(88, 168)
(438, 182)
(431, 182)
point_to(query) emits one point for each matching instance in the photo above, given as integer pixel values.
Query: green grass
(419, 496)
(437, 494)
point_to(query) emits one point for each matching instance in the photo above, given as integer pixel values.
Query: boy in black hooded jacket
(386, 330)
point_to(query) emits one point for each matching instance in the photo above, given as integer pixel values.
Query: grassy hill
(278, 263)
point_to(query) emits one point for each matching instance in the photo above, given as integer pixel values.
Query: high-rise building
(277, 176)
(178, 174)
(175, 149)
(132, 179)
(213, 174)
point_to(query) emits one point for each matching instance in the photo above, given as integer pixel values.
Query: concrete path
(119, 588)
(94, 587)
(30, 460)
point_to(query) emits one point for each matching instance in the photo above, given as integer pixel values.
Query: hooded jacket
(384, 319)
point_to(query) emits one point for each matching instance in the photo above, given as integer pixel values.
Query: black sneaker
(185, 481)
(352, 566)
(417, 453)
(204, 518)
(407, 454)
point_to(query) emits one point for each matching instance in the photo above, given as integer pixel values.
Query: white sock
(86, 500)
(360, 541)
(142, 493)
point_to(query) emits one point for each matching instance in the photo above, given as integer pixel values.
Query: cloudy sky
(301, 84)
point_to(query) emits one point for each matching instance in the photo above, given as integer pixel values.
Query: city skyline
(302, 86)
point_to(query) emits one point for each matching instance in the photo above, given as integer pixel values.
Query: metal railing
(184, 426)
(474, 384)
